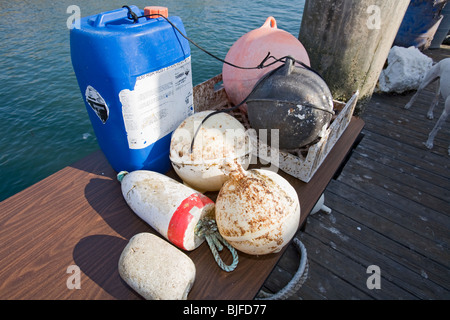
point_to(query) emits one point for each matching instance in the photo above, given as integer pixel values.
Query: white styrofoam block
(405, 71)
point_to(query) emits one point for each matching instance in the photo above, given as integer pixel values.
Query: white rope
(297, 280)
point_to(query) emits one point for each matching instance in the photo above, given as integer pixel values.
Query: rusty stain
(251, 210)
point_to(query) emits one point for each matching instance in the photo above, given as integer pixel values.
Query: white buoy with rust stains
(221, 138)
(257, 211)
(168, 206)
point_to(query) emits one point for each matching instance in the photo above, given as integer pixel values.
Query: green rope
(121, 174)
(208, 228)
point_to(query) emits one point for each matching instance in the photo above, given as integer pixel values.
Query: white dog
(440, 71)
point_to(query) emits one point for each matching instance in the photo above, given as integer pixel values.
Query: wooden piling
(348, 42)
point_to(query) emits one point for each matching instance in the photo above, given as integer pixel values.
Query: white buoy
(220, 139)
(257, 211)
(171, 208)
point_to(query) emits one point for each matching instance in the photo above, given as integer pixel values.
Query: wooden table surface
(78, 217)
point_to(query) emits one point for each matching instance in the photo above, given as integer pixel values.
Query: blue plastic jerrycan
(136, 81)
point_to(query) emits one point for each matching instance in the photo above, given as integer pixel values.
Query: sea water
(44, 125)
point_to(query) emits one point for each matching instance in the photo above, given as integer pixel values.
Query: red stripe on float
(182, 217)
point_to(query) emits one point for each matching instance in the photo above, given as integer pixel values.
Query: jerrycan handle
(106, 17)
(270, 23)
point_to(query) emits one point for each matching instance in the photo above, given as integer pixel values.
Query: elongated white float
(171, 208)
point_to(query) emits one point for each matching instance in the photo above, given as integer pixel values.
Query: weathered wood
(425, 160)
(348, 42)
(396, 183)
(368, 247)
(407, 120)
(388, 240)
(410, 137)
(430, 182)
(439, 54)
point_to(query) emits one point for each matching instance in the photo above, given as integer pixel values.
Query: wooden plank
(387, 159)
(387, 239)
(439, 53)
(413, 189)
(398, 101)
(406, 136)
(79, 217)
(368, 247)
(401, 173)
(349, 272)
(408, 120)
(399, 209)
(388, 216)
(436, 164)
(416, 275)
(346, 249)
(321, 284)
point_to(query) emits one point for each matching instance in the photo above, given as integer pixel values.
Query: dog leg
(413, 99)
(438, 125)
(435, 102)
(431, 76)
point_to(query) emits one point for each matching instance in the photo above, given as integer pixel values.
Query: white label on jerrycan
(160, 101)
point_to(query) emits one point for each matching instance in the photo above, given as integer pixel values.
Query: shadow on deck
(390, 208)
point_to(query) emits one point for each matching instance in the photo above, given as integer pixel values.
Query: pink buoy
(250, 50)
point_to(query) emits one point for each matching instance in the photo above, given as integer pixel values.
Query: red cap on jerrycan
(156, 10)
(249, 50)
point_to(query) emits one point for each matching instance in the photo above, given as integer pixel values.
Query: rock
(156, 269)
(405, 70)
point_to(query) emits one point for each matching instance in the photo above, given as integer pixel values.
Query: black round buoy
(294, 100)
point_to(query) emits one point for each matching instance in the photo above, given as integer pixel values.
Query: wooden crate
(300, 163)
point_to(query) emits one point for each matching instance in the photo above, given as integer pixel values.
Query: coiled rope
(297, 280)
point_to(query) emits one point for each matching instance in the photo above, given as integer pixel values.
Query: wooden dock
(390, 208)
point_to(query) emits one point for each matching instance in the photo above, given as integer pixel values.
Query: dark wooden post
(348, 42)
